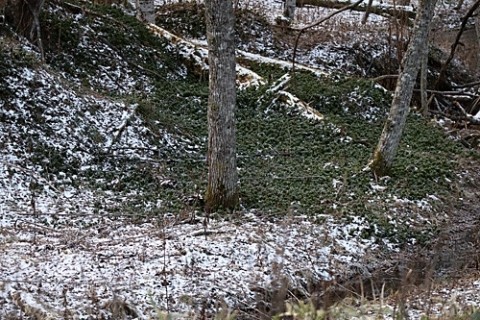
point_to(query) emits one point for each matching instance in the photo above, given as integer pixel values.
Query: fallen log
(196, 55)
(382, 9)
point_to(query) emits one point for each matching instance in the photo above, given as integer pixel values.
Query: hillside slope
(102, 171)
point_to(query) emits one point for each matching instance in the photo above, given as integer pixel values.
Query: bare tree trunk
(392, 131)
(423, 82)
(146, 10)
(375, 9)
(459, 5)
(367, 11)
(424, 101)
(222, 189)
(35, 32)
(477, 32)
(24, 15)
(289, 9)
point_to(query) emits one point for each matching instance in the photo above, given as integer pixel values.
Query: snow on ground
(81, 264)
(70, 146)
(62, 257)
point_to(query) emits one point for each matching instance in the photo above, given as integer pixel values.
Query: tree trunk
(146, 10)
(222, 189)
(375, 9)
(367, 11)
(424, 82)
(459, 5)
(289, 9)
(392, 131)
(24, 16)
(477, 32)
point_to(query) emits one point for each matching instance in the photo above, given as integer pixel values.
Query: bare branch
(467, 116)
(367, 11)
(385, 76)
(302, 30)
(467, 85)
(383, 10)
(469, 14)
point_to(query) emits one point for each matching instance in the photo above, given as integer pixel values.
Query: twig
(449, 93)
(467, 116)
(475, 104)
(467, 85)
(206, 233)
(302, 30)
(298, 177)
(455, 44)
(122, 127)
(367, 11)
(385, 76)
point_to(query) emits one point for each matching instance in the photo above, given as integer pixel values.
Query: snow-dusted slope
(74, 240)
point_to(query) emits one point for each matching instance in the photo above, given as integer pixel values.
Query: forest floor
(102, 171)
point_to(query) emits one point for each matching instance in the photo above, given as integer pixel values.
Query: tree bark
(424, 82)
(456, 43)
(146, 10)
(380, 10)
(477, 32)
(289, 9)
(24, 16)
(387, 147)
(459, 5)
(222, 189)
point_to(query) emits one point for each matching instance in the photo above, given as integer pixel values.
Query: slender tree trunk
(459, 5)
(289, 9)
(24, 15)
(423, 82)
(375, 9)
(477, 32)
(222, 189)
(392, 131)
(35, 32)
(146, 10)
(367, 11)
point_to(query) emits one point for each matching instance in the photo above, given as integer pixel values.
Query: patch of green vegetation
(291, 163)
(288, 163)
(60, 32)
(185, 19)
(13, 56)
(104, 38)
(426, 161)
(267, 71)
(53, 160)
(188, 20)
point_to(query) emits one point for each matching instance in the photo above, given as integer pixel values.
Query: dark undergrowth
(287, 164)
